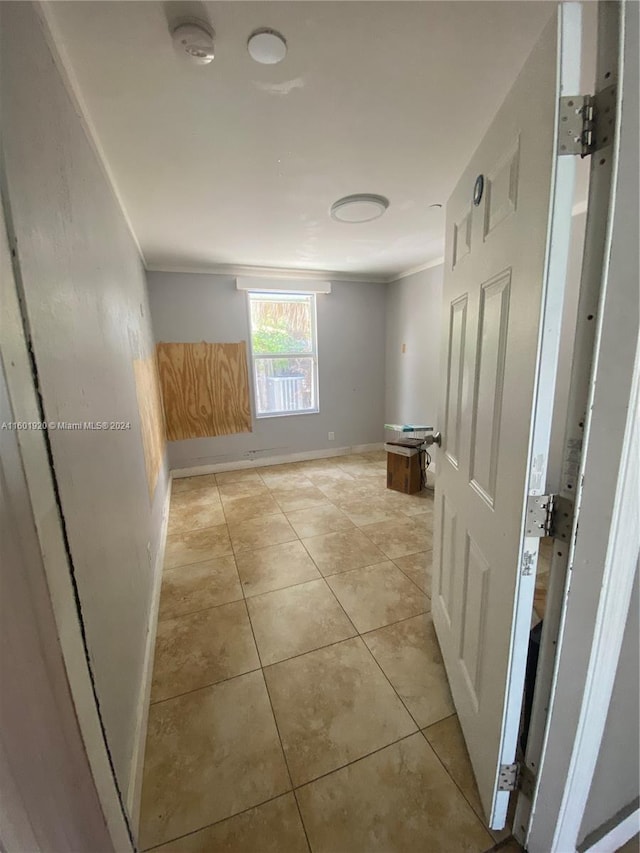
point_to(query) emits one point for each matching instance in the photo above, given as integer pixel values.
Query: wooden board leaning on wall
(205, 389)
(145, 371)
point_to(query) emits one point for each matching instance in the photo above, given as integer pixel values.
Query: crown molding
(234, 270)
(434, 262)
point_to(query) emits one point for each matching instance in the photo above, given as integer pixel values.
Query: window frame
(313, 354)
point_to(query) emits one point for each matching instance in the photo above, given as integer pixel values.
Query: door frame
(569, 715)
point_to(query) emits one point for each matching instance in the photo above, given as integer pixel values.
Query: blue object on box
(408, 428)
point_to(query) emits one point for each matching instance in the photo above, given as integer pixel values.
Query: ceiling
(237, 164)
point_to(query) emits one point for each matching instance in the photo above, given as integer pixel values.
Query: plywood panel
(145, 371)
(205, 389)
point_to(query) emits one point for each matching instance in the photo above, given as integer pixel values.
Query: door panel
(502, 189)
(455, 362)
(475, 590)
(499, 348)
(487, 399)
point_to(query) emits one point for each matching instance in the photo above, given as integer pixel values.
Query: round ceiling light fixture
(266, 46)
(195, 39)
(361, 207)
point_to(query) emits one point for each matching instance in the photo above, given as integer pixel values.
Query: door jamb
(590, 623)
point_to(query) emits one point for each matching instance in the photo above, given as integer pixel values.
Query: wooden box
(403, 473)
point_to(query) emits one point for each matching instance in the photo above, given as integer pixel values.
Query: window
(284, 350)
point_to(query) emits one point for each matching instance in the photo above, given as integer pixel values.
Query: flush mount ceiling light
(195, 39)
(362, 207)
(267, 46)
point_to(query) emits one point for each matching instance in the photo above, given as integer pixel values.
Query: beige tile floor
(299, 701)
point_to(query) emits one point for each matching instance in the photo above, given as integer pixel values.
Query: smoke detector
(194, 39)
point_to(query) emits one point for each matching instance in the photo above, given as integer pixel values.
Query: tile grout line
(359, 634)
(304, 828)
(285, 660)
(466, 799)
(275, 722)
(340, 605)
(408, 577)
(215, 822)
(205, 686)
(292, 657)
(379, 665)
(355, 761)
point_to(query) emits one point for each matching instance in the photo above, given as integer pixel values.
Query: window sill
(287, 414)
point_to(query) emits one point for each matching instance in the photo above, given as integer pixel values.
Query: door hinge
(586, 122)
(508, 777)
(516, 777)
(549, 515)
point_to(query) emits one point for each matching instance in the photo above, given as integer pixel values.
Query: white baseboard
(367, 448)
(134, 790)
(617, 835)
(220, 467)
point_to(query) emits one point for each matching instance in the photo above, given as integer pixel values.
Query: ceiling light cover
(362, 207)
(267, 46)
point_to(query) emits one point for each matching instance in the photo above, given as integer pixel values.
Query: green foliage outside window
(272, 339)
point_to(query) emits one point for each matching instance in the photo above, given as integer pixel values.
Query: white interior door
(505, 265)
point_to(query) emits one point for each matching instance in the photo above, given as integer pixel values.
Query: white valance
(283, 285)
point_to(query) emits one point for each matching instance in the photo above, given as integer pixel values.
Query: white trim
(579, 207)
(616, 837)
(134, 790)
(603, 553)
(304, 456)
(283, 285)
(235, 270)
(367, 448)
(435, 262)
(611, 618)
(558, 238)
(312, 300)
(55, 41)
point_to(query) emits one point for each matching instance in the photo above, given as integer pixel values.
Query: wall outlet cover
(332, 436)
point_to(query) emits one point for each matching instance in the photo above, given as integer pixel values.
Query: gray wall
(616, 784)
(85, 296)
(191, 307)
(414, 315)
(49, 800)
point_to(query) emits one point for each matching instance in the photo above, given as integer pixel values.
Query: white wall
(414, 315)
(191, 307)
(84, 292)
(616, 785)
(49, 799)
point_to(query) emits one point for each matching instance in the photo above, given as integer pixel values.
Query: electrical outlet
(332, 436)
